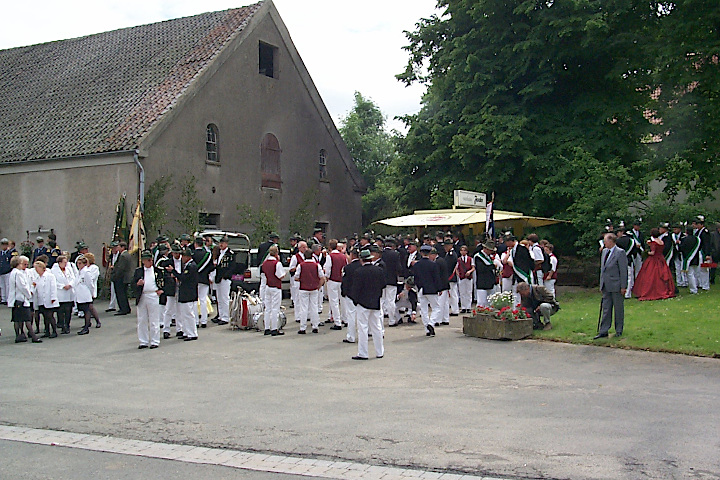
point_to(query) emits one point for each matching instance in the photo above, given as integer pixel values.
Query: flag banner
(136, 241)
(489, 223)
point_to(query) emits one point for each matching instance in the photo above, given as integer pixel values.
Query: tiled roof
(102, 93)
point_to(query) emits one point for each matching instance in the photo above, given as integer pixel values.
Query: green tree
(189, 205)
(262, 220)
(156, 215)
(539, 101)
(373, 149)
(302, 220)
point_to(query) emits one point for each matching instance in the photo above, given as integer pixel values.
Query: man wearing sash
(667, 242)
(690, 249)
(429, 284)
(203, 260)
(628, 243)
(224, 260)
(486, 266)
(705, 251)
(639, 240)
(296, 260)
(522, 264)
(677, 257)
(465, 272)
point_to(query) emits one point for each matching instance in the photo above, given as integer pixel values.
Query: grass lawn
(688, 324)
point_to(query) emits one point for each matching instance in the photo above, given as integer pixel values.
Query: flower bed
(501, 321)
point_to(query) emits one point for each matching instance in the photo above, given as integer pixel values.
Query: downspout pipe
(141, 171)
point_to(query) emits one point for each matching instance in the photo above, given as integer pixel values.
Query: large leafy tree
(539, 101)
(373, 149)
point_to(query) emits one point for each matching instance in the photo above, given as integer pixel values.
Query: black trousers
(64, 314)
(121, 296)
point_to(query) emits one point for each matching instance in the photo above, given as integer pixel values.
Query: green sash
(695, 250)
(484, 258)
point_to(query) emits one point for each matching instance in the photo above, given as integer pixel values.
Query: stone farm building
(223, 96)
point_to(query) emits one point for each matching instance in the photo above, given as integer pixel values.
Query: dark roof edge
(202, 78)
(317, 99)
(67, 157)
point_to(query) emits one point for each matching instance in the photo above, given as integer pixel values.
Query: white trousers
(171, 312)
(693, 273)
(372, 320)
(223, 299)
(703, 278)
(113, 299)
(539, 277)
(465, 292)
(387, 303)
(482, 296)
(148, 321)
(321, 297)
(5, 286)
(186, 314)
(445, 306)
(333, 289)
(350, 312)
(454, 300)
(307, 308)
(432, 301)
(203, 292)
(550, 285)
(293, 289)
(271, 302)
(681, 277)
(631, 280)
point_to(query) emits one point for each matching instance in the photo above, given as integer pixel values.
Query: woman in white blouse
(84, 288)
(19, 295)
(44, 297)
(65, 279)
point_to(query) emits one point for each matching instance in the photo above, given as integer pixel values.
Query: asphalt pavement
(527, 409)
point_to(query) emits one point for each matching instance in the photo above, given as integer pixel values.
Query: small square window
(209, 219)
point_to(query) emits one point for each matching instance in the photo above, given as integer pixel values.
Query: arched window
(211, 143)
(270, 161)
(323, 164)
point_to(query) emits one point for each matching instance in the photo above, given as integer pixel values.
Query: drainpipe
(142, 179)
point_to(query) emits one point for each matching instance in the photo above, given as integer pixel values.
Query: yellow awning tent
(470, 218)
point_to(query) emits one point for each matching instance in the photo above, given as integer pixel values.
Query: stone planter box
(485, 325)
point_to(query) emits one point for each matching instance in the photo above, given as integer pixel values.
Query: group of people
(437, 277)
(50, 285)
(679, 256)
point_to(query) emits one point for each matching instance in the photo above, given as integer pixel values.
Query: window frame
(212, 129)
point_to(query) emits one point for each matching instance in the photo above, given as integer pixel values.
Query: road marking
(306, 467)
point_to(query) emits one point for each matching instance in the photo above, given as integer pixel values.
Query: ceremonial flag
(489, 222)
(136, 241)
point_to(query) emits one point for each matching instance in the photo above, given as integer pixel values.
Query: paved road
(23, 461)
(521, 409)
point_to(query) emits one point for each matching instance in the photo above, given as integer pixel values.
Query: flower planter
(489, 326)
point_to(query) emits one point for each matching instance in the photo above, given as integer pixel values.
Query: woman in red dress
(654, 282)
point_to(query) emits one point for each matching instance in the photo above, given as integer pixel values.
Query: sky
(347, 46)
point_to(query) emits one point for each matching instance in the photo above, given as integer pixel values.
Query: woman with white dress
(85, 291)
(19, 296)
(65, 279)
(44, 297)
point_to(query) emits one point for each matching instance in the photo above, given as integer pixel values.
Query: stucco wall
(75, 197)
(245, 106)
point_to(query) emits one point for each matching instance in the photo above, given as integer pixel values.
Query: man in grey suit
(613, 284)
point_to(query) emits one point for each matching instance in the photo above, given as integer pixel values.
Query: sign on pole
(463, 198)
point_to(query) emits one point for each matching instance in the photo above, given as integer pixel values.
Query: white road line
(306, 467)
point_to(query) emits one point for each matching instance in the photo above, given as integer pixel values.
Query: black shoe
(65, 331)
(45, 335)
(379, 356)
(84, 331)
(215, 320)
(321, 324)
(301, 332)
(21, 340)
(118, 314)
(446, 323)
(345, 340)
(222, 322)
(203, 325)
(172, 322)
(276, 333)
(399, 321)
(431, 331)
(98, 325)
(140, 347)
(359, 358)
(53, 335)
(336, 327)
(297, 321)
(437, 324)
(166, 335)
(344, 324)
(267, 331)
(618, 335)
(190, 339)
(315, 330)
(393, 324)
(453, 314)
(600, 335)
(153, 346)
(110, 310)
(179, 334)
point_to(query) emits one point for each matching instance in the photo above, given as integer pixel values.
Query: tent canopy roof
(465, 216)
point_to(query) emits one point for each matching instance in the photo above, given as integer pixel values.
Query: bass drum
(260, 323)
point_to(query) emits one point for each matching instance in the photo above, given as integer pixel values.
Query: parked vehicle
(252, 274)
(237, 242)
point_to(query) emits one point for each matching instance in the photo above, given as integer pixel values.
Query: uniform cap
(146, 254)
(81, 245)
(161, 239)
(186, 237)
(175, 248)
(39, 239)
(490, 245)
(365, 254)
(4, 240)
(274, 235)
(664, 225)
(163, 248)
(374, 248)
(224, 239)
(426, 248)
(447, 241)
(187, 252)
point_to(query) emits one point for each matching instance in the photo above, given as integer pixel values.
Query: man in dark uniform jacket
(367, 289)
(392, 270)
(444, 293)
(148, 282)
(273, 239)
(705, 251)
(121, 273)
(187, 294)
(203, 260)
(429, 283)
(225, 268)
(485, 272)
(451, 260)
(346, 294)
(40, 250)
